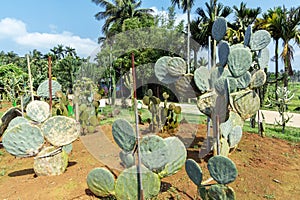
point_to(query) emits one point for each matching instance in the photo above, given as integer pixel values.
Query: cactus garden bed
(268, 168)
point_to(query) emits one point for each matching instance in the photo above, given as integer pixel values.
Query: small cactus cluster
(153, 106)
(27, 137)
(222, 170)
(170, 115)
(160, 158)
(87, 98)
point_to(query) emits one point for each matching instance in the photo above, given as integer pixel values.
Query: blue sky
(39, 24)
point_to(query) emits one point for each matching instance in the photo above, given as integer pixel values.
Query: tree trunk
(276, 67)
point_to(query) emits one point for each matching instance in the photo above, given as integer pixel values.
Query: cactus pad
(248, 34)
(263, 58)
(154, 152)
(23, 140)
(127, 159)
(68, 148)
(224, 150)
(194, 171)
(16, 121)
(177, 157)
(246, 103)
(101, 182)
(201, 78)
(239, 61)
(244, 80)
(219, 28)
(186, 87)
(50, 162)
(127, 184)
(124, 135)
(60, 130)
(7, 117)
(235, 136)
(161, 70)
(176, 66)
(43, 89)
(259, 40)
(223, 52)
(222, 169)
(258, 79)
(38, 111)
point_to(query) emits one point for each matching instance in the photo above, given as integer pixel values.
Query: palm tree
(117, 11)
(290, 32)
(186, 5)
(243, 18)
(205, 22)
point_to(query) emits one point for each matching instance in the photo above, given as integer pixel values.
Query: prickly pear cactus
(224, 147)
(162, 72)
(259, 40)
(50, 161)
(177, 157)
(223, 52)
(16, 121)
(101, 182)
(263, 58)
(60, 130)
(220, 192)
(127, 159)
(43, 89)
(38, 111)
(176, 66)
(222, 169)
(243, 81)
(127, 187)
(235, 136)
(201, 78)
(7, 117)
(124, 135)
(23, 140)
(239, 61)
(194, 171)
(219, 28)
(248, 34)
(154, 152)
(187, 83)
(258, 79)
(68, 148)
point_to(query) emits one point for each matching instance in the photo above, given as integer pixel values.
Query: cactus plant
(124, 135)
(194, 171)
(222, 169)
(239, 61)
(153, 106)
(7, 117)
(101, 182)
(244, 80)
(50, 161)
(220, 192)
(259, 40)
(223, 52)
(38, 111)
(127, 159)
(224, 147)
(176, 66)
(235, 136)
(43, 89)
(60, 130)
(127, 184)
(187, 83)
(258, 79)
(201, 78)
(161, 70)
(23, 140)
(219, 28)
(16, 121)
(263, 58)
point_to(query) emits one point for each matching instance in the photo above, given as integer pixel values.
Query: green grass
(291, 134)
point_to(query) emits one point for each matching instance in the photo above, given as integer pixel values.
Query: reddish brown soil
(268, 169)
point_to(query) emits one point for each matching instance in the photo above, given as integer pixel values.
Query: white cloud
(16, 31)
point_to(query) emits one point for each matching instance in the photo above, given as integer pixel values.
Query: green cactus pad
(219, 28)
(101, 182)
(217, 192)
(7, 117)
(177, 157)
(124, 135)
(263, 58)
(235, 136)
(38, 111)
(194, 171)
(186, 87)
(232, 84)
(246, 103)
(230, 194)
(248, 34)
(233, 121)
(161, 70)
(17, 120)
(224, 149)
(127, 184)
(239, 61)
(202, 192)
(238, 46)
(223, 52)
(205, 103)
(221, 108)
(60, 130)
(244, 80)
(176, 66)
(68, 148)
(215, 74)
(127, 159)
(222, 169)
(23, 140)
(258, 79)
(201, 78)
(43, 89)
(50, 162)
(221, 85)
(259, 40)
(154, 152)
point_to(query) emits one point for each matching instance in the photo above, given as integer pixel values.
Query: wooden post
(50, 83)
(30, 79)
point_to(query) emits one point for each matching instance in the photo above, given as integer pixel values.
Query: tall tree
(205, 22)
(186, 5)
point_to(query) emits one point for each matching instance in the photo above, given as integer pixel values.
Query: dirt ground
(268, 168)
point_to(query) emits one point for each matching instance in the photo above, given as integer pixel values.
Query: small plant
(284, 98)
(153, 106)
